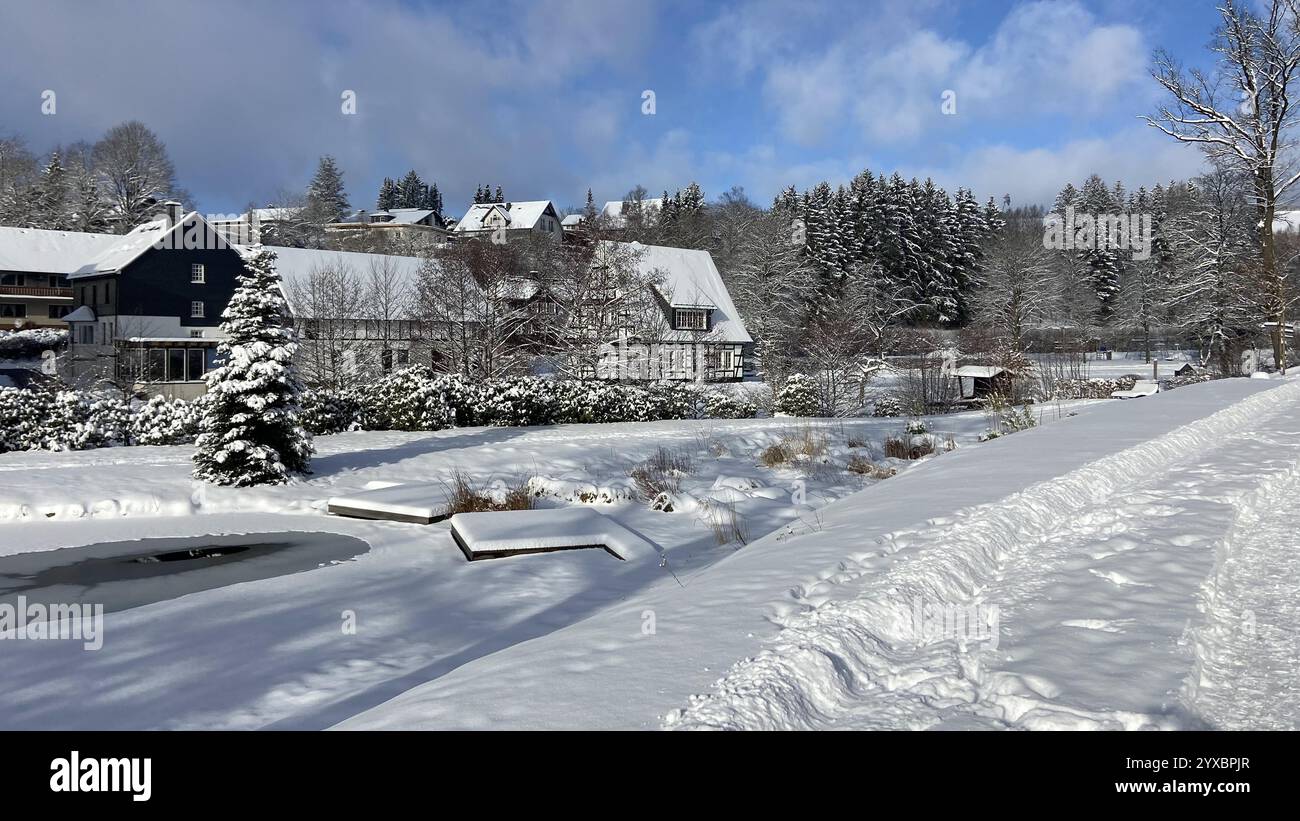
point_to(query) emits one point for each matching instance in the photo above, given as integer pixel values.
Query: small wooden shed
(982, 381)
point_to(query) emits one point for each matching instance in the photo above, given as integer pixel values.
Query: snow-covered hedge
(1091, 388)
(31, 342)
(413, 399)
(165, 422)
(727, 405)
(409, 399)
(799, 397)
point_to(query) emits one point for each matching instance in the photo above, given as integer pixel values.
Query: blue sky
(545, 98)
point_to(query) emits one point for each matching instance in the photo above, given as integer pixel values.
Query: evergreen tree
(589, 212)
(478, 196)
(50, 197)
(387, 195)
(326, 200)
(250, 433)
(410, 191)
(500, 195)
(433, 200)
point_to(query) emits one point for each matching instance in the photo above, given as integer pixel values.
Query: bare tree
(1241, 117)
(135, 172)
(326, 303)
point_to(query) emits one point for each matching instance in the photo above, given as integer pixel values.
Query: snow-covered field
(1140, 568)
(274, 651)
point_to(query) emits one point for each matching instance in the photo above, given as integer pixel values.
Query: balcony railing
(35, 290)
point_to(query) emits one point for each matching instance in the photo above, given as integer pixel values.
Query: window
(156, 371)
(197, 273)
(403, 357)
(386, 360)
(94, 295)
(196, 310)
(175, 364)
(194, 364)
(108, 293)
(60, 311)
(11, 310)
(86, 334)
(197, 334)
(691, 319)
(11, 279)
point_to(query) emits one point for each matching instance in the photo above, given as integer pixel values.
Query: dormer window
(690, 319)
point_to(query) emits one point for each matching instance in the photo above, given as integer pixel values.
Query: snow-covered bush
(728, 405)
(250, 431)
(81, 421)
(916, 426)
(409, 399)
(799, 397)
(324, 412)
(31, 342)
(464, 397)
(886, 406)
(519, 401)
(22, 415)
(1091, 388)
(165, 422)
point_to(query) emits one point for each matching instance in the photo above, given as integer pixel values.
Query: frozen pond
(122, 575)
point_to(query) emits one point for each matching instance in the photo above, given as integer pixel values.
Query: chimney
(173, 211)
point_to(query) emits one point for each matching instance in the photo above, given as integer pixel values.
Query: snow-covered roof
(83, 314)
(518, 214)
(572, 220)
(131, 245)
(689, 279)
(397, 216)
(33, 250)
(614, 210)
(79, 254)
(296, 266)
(978, 371)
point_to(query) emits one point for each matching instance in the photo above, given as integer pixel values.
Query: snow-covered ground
(273, 651)
(1108, 544)
(1135, 556)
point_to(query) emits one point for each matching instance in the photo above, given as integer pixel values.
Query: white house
(537, 216)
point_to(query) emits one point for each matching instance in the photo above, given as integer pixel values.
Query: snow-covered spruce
(22, 418)
(799, 397)
(250, 431)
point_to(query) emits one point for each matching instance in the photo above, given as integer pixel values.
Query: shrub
(661, 473)
(80, 421)
(520, 401)
(798, 397)
(163, 422)
(323, 412)
(1091, 388)
(466, 496)
(865, 467)
(775, 455)
(908, 446)
(409, 399)
(727, 405)
(22, 416)
(31, 342)
(886, 406)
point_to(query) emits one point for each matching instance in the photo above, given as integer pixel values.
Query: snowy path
(1248, 649)
(1095, 577)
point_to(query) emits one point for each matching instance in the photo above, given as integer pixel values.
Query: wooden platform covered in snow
(420, 503)
(497, 535)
